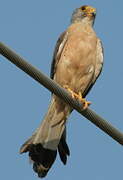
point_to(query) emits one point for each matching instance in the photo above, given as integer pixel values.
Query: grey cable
(61, 92)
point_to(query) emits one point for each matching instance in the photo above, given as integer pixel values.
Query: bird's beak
(91, 12)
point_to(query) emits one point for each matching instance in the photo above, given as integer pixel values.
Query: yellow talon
(78, 97)
(83, 100)
(69, 90)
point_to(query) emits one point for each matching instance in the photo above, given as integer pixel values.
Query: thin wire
(60, 92)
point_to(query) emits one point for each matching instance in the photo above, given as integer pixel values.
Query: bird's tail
(48, 138)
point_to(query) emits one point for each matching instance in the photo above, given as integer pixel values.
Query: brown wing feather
(99, 60)
(62, 147)
(57, 52)
(99, 65)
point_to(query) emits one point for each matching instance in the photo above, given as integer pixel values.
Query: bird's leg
(78, 97)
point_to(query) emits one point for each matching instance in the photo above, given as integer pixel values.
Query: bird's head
(84, 13)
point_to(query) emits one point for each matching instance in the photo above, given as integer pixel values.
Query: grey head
(84, 14)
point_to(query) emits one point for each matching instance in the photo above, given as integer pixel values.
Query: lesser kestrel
(76, 65)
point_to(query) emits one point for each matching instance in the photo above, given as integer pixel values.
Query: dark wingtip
(63, 150)
(66, 148)
(62, 154)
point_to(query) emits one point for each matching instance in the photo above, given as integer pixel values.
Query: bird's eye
(83, 8)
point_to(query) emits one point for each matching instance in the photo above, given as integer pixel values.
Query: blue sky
(31, 28)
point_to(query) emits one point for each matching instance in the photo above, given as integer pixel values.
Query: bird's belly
(74, 75)
(76, 62)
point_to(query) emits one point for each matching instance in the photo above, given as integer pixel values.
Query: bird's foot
(83, 100)
(73, 94)
(78, 97)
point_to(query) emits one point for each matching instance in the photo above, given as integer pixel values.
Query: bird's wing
(62, 147)
(98, 65)
(57, 52)
(99, 60)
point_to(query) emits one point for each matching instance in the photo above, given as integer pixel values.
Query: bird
(76, 65)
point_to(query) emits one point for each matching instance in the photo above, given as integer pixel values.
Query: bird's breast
(77, 57)
(79, 49)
